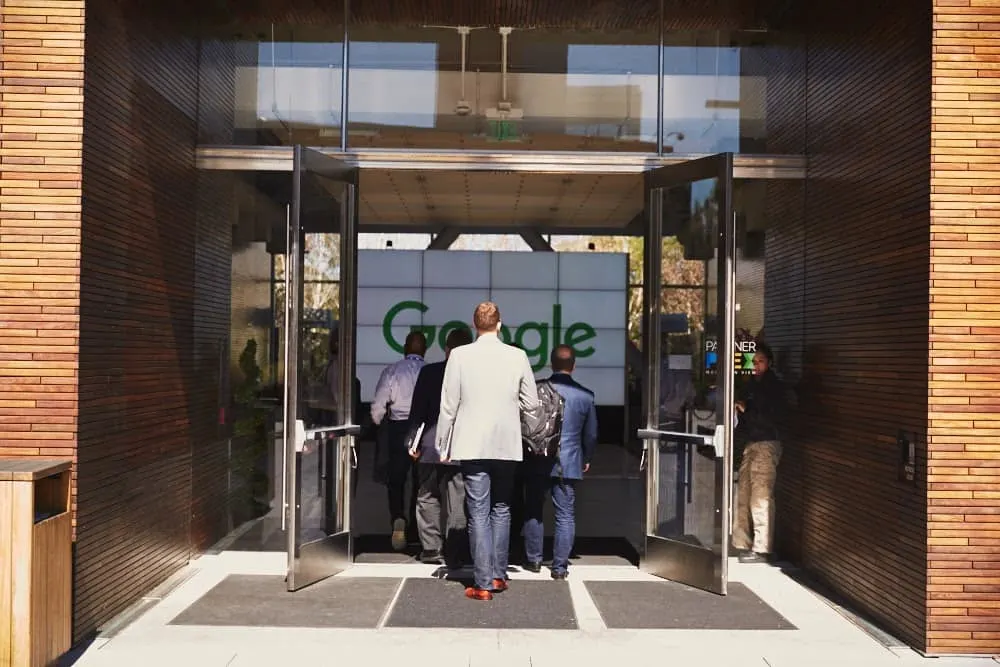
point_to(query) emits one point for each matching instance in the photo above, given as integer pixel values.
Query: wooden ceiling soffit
(610, 15)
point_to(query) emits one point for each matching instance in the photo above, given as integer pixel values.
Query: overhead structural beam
(409, 227)
(637, 225)
(536, 241)
(443, 239)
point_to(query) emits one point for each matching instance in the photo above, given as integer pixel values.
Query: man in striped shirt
(393, 396)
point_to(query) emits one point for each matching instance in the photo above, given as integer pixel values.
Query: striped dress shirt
(394, 391)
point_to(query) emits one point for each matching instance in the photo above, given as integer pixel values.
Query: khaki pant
(755, 497)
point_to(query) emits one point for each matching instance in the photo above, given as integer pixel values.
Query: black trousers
(402, 470)
(517, 514)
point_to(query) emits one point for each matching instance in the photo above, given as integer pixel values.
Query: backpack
(541, 428)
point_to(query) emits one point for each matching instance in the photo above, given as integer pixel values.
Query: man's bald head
(416, 343)
(563, 359)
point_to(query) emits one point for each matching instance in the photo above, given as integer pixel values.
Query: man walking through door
(486, 386)
(559, 474)
(393, 395)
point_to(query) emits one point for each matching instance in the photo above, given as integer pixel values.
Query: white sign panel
(545, 298)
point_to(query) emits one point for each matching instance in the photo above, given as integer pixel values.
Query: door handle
(688, 474)
(324, 432)
(717, 441)
(327, 432)
(656, 434)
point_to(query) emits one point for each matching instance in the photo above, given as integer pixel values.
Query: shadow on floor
(843, 606)
(587, 551)
(74, 654)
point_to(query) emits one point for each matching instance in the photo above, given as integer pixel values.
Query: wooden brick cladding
(41, 119)
(963, 582)
(847, 302)
(217, 214)
(154, 317)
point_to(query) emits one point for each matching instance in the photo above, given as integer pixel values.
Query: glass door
(688, 388)
(319, 358)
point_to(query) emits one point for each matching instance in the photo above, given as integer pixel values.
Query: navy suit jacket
(579, 430)
(426, 408)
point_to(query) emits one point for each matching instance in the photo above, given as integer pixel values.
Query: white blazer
(486, 386)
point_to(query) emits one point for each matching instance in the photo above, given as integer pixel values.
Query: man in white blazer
(486, 386)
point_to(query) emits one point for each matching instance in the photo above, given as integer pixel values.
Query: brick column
(41, 113)
(963, 514)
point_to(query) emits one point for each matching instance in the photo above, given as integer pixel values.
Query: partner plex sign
(545, 298)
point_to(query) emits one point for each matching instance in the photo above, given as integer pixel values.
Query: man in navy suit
(559, 475)
(441, 493)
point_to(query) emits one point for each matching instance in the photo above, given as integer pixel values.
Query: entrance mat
(430, 603)
(665, 605)
(263, 601)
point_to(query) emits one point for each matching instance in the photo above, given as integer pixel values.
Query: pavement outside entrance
(231, 610)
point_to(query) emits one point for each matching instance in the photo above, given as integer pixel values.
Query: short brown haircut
(486, 317)
(457, 338)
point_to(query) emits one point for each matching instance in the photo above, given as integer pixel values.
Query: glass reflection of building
(451, 88)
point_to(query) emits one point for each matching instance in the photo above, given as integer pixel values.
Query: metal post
(651, 297)
(727, 339)
(659, 86)
(345, 76)
(348, 352)
(293, 292)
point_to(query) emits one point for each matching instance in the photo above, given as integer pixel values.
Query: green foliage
(250, 431)
(675, 270)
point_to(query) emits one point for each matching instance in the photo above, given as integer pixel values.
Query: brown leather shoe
(478, 593)
(500, 585)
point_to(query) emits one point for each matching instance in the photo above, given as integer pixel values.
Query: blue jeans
(564, 503)
(488, 486)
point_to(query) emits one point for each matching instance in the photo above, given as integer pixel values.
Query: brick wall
(963, 537)
(41, 118)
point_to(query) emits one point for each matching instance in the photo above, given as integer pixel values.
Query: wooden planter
(36, 561)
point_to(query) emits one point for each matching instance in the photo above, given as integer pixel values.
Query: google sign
(536, 338)
(545, 298)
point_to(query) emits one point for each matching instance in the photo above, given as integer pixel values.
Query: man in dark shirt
(758, 448)
(437, 481)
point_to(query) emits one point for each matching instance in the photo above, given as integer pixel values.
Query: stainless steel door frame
(679, 448)
(318, 518)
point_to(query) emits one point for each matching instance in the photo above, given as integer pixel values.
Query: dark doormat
(431, 603)
(262, 601)
(656, 605)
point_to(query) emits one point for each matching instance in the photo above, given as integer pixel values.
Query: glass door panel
(688, 388)
(319, 359)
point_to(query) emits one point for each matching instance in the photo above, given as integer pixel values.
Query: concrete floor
(822, 636)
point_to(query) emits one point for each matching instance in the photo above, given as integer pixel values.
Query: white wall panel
(375, 302)
(592, 270)
(394, 268)
(456, 268)
(530, 270)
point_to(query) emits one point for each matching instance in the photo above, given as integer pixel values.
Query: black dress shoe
(560, 576)
(533, 567)
(430, 557)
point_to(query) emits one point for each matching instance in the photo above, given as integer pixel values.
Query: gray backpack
(541, 428)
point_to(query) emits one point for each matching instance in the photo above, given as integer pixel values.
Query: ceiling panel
(434, 199)
(578, 14)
